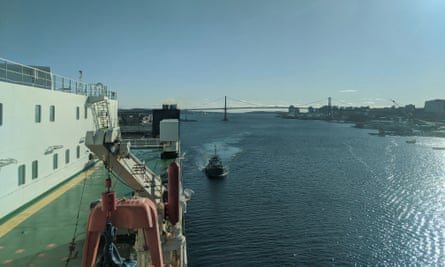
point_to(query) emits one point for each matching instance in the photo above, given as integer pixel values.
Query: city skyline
(360, 53)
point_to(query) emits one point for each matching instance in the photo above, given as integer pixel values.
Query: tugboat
(411, 141)
(215, 167)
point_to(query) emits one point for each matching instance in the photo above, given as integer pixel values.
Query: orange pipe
(173, 193)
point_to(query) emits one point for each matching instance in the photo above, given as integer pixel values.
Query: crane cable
(72, 246)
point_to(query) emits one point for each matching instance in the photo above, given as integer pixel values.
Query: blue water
(311, 193)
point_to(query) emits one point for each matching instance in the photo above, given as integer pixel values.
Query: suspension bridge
(214, 105)
(245, 105)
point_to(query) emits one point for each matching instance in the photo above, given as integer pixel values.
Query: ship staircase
(140, 170)
(101, 112)
(122, 162)
(106, 143)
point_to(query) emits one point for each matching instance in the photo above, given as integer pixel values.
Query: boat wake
(359, 159)
(225, 173)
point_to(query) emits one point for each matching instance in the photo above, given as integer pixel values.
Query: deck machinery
(152, 220)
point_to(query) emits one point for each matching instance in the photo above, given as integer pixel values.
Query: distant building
(293, 111)
(410, 108)
(435, 106)
(167, 112)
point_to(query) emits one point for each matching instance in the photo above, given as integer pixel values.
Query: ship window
(22, 174)
(86, 112)
(1, 114)
(38, 113)
(67, 156)
(35, 169)
(55, 161)
(78, 152)
(52, 113)
(77, 113)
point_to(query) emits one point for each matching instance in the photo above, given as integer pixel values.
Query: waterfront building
(435, 106)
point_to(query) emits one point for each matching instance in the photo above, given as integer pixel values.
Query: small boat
(215, 167)
(411, 141)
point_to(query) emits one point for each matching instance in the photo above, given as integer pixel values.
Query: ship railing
(142, 143)
(42, 77)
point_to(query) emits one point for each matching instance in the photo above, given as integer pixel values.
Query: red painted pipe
(109, 201)
(173, 193)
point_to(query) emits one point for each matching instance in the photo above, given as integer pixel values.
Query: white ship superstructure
(43, 121)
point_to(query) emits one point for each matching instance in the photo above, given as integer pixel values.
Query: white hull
(26, 143)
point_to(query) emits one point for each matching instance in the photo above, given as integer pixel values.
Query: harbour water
(311, 193)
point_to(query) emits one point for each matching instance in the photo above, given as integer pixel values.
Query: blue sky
(266, 52)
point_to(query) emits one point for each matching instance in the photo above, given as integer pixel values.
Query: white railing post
(43, 79)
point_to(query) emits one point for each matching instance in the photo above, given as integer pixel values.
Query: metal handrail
(14, 72)
(143, 142)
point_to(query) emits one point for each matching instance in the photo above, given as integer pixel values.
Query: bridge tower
(225, 108)
(330, 108)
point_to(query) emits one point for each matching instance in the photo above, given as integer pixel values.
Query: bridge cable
(344, 102)
(310, 103)
(212, 101)
(245, 102)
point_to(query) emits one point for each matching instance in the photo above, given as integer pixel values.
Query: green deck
(44, 238)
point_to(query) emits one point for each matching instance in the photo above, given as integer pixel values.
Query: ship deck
(40, 233)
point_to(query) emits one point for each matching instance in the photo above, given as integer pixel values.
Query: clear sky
(267, 52)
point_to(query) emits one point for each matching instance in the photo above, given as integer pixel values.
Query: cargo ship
(62, 148)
